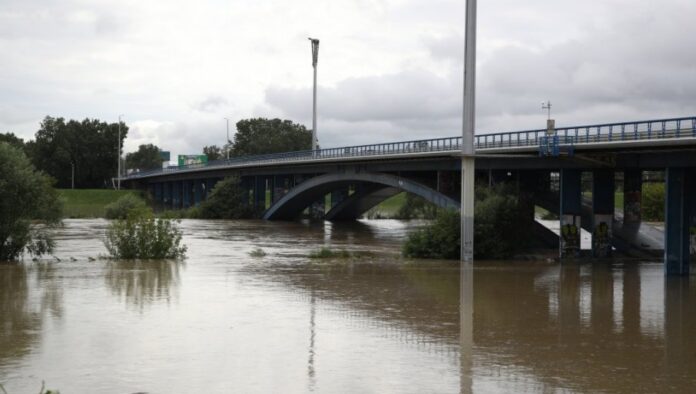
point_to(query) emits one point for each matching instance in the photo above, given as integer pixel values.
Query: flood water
(223, 321)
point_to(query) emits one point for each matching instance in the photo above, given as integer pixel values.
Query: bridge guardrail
(578, 135)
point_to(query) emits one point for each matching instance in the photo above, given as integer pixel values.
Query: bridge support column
(602, 212)
(281, 185)
(633, 185)
(679, 205)
(570, 213)
(198, 191)
(158, 193)
(187, 192)
(260, 193)
(247, 184)
(210, 185)
(167, 194)
(176, 195)
(338, 195)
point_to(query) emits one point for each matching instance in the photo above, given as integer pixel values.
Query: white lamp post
(118, 177)
(468, 126)
(315, 59)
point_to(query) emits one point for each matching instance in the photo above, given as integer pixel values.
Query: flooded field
(223, 321)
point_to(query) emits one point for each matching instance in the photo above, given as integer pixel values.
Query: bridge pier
(260, 193)
(602, 212)
(680, 194)
(198, 191)
(339, 195)
(187, 189)
(168, 194)
(570, 212)
(158, 193)
(633, 186)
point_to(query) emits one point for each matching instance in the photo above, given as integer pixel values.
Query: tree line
(86, 151)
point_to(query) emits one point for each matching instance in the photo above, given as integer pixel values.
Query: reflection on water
(141, 281)
(286, 323)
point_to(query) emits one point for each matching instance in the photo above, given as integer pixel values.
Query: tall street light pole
(227, 145)
(315, 59)
(468, 126)
(118, 177)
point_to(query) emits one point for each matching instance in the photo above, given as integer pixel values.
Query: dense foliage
(144, 237)
(227, 200)
(147, 157)
(260, 136)
(213, 152)
(26, 195)
(416, 207)
(653, 202)
(12, 139)
(128, 205)
(499, 229)
(89, 146)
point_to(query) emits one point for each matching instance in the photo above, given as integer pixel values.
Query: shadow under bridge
(368, 190)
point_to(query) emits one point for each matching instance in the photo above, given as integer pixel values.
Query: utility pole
(468, 127)
(315, 59)
(227, 146)
(118, 176)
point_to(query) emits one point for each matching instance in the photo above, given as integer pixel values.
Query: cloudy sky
(388, 69)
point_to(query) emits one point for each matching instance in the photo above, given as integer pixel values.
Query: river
(223, 321)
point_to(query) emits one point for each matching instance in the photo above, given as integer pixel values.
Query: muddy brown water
(223, 321)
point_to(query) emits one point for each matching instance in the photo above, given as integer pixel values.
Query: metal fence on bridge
(577, 135)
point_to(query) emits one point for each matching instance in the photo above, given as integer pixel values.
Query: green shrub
(416, 207)
(144, 237)
(128, 205)
(499, 229)
(227, 200)
(653, 202)
(26, 195)
(258, 252)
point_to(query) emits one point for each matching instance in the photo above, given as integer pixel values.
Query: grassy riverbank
(89, 203)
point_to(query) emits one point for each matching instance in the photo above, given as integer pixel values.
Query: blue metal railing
(577, 135)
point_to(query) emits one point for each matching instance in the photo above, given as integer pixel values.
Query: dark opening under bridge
(547, 170)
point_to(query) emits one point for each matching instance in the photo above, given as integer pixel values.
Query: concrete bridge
(547, 169)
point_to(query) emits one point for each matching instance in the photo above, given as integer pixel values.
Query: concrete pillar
(158, 193)
(186, 195)
(338, 195)
(602, 212)
(167, 198)
(176, 195)
(633, 186)
(281, 185)
(209, 186)
(570, 213)
(198, 191)
(259, 193)
(679, 201)
(247, 184)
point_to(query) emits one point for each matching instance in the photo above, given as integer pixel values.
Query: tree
(260, 136)
(90, 147)
(25, 195)
(147, 157)
(12, 139)
(213, 152)
(227, 200)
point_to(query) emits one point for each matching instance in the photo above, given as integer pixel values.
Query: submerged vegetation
(227, 200)
(137, 234)
(258, 252)
(127, 205)
(326, 253)
(29, 206)
(499, 229)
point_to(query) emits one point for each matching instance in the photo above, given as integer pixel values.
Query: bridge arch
(375, 187)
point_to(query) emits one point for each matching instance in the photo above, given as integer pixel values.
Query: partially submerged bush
(227, 200)
(653, 202)
(416, 207)
(144, 237)
(326, 253)
(128, 205)
(26, 195)
(258, 252)
(499, 229)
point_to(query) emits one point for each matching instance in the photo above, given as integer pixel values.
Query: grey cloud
(210, 104)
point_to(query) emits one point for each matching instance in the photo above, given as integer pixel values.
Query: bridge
(548, 170)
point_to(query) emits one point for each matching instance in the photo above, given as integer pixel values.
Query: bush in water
(499, 229)
(653, 201)
(125, 206)
(144, 237)
(227, 200)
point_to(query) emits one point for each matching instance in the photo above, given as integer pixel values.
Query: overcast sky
(388, 69)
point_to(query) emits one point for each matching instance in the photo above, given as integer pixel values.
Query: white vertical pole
(118, 177)
(468, 126)
(315, 61)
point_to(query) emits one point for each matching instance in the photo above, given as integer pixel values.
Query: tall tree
(25, 195)
(147, 157)
(12, 139)
(213, 152)
(90, 147)
(259, 136)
